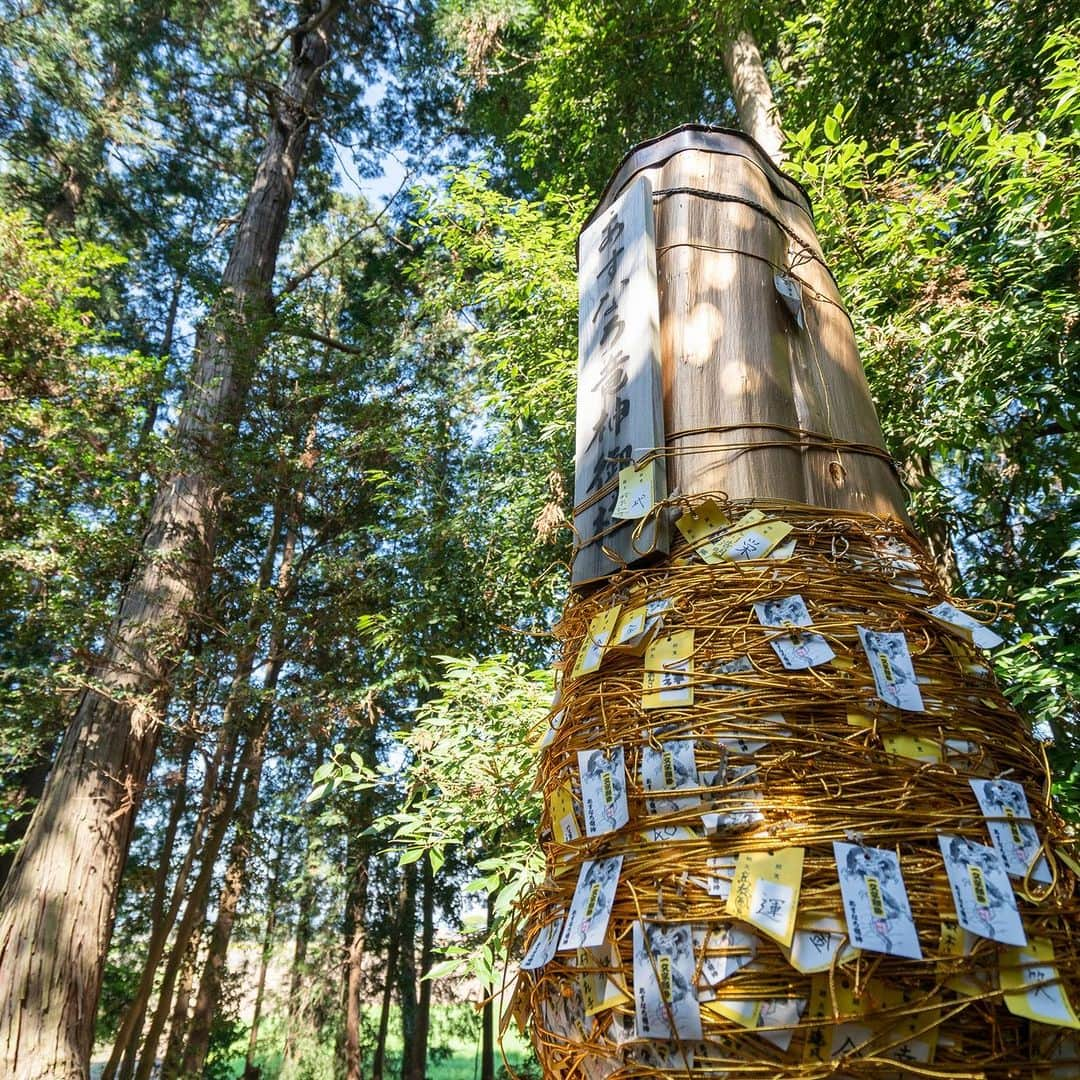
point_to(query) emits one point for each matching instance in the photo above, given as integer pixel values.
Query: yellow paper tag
(909, 746)
(745, 1013)
(637, 485)
(747, 540)
(819, 1011)
(630, 637)
(704, 521)
(669, 668)
(1022, 971)
(596, 641)
(954, 943)
(601, 985)
(860, 719)
(518, 1007)
(765, 891)
(967, 658)
(564, 821)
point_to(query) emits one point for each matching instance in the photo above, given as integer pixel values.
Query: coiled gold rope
(821, 780)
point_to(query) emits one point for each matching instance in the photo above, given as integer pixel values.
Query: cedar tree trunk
(753, 94)
(57, 907)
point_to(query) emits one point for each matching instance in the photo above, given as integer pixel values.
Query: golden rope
(830, 769)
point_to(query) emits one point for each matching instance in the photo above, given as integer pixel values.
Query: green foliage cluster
(958, 257)
(72, 452)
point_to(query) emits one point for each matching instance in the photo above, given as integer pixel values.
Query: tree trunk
(57, 907)
(753, 95)
(194, 914)
(231, 890)
(418, 1051)
(122, 1060)
(305, 910)
(182, 1004)
(407, 989)
(487, 1016)
(358, 858)
(236, 875)
(267, 947)
(225, 751)
(354, 956)
(378, 1062)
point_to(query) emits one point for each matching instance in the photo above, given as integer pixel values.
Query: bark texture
(58, 903)
(418, 1051)
(753, 95)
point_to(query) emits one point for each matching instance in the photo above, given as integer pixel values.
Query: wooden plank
(619, 404)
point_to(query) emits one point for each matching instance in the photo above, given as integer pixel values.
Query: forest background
(284, 466)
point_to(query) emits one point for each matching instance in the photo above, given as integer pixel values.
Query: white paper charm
(981, 635)
(894, 674)
(774, 1019)
(590, 909)
(603, 790)
(800, 649)
(666, 1004)
(738, 666)
(722, 869)
(727, 948)
(670, 769)
(875, 901)
(1013, 835)
(981, 892)
(543, 946)
(736, 793)
(817, 940)
(791, 293)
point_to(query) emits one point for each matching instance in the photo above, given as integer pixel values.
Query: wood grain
(732, 354)
(619, 414)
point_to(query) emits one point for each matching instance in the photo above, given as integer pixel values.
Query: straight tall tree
(58, 902)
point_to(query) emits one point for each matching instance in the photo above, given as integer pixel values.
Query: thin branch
(309, 24)
(297, 280)
(322, 339)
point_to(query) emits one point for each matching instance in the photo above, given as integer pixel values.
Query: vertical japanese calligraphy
(619, 403)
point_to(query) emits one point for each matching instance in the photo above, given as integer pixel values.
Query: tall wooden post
(740, 362)
(793, 828)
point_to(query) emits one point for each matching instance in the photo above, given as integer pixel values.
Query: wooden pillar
(740, 365)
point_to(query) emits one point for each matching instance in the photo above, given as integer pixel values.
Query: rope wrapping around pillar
(792, 760)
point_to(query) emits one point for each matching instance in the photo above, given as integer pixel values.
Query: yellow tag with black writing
(703, 521)
(563, 819)
(909, 746)
(1032, 984)
(637, 486)
(750, 538)
(602, 985)
(596, 641)
(765, 891)
(954, 943)
(635, 631)
(669, 667)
